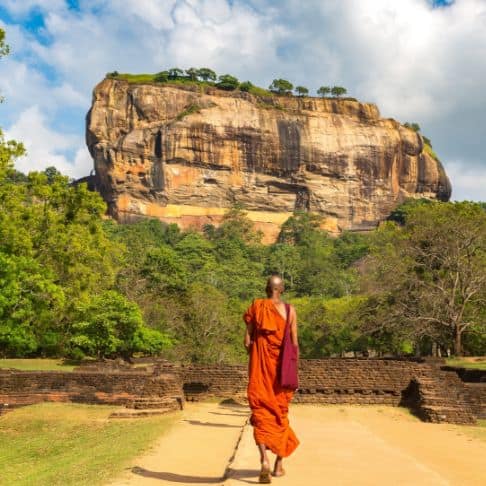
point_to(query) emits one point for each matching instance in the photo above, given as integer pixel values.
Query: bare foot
(278, 469)
(265, 475)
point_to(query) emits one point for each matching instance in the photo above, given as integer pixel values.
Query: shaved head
(275, 284)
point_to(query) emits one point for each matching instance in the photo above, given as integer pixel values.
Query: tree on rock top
(281, 86)
(301, 90)
(206, 74)
(227, 82)
(338, 91)
(323, 91)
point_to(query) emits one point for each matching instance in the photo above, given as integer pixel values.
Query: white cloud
(45, 147)
(418, 63)
(470, 182)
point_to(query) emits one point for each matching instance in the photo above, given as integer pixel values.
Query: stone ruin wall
(435, 393)
(124, 388)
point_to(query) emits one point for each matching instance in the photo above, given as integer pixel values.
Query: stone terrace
(434, 392)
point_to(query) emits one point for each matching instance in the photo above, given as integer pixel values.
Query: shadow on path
(176, 478)
(212, 424)
(244, 475)
(249, 476)
(231, 414)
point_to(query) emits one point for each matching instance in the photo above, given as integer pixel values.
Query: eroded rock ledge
(186, 154)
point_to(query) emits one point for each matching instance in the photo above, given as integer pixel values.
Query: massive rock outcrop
(185, 154)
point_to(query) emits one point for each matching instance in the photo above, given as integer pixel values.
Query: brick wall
(468, 375)
(112, 388)
(329, 380)
(477, 398)
(425, 386)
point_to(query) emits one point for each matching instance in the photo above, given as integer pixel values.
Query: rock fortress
(185, 154)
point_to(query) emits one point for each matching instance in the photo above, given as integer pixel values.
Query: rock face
(185, 154)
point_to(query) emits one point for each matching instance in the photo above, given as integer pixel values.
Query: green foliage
(329, 327)
(4, 48)
(193, 108)
(246, 86)
(175, 73)
(110, 325)
(161, 77)
(301, 90)
(30, 301)
(427, 143)
(324, 91)
(399, 214)
(413, 126)
(281, 86)
(338, 91)
(427, 278)
(206, 74)
(192, 73)
(227, 82)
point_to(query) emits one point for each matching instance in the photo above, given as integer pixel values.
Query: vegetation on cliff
(207, 77)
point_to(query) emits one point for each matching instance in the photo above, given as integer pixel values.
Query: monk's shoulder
(258, 302)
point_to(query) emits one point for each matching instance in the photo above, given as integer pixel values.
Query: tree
(110, 325)
(338, 91)
(324, 91)
(246, 86)
(413, 126)
(281, 86)
(284, 260)
(164, 270)
(428, 277)
(4, 49)
(299, 228)
(162, 77)
(175, 73)
(192, 73)
(302, 91)
(205, 332)
(30, 305)
(227, 82)
(206, 74)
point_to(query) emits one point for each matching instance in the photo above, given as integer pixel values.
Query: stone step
(134, 413)
(452, 414)
(153, 402)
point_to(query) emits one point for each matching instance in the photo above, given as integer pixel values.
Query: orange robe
(269, 402)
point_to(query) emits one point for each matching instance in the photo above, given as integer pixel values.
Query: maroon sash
(289, 377)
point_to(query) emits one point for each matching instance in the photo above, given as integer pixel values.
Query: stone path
(340, 445)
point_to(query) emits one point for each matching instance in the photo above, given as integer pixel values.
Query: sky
(420, 61)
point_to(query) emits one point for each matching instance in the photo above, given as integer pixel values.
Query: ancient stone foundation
(434, 392)
(136, 390)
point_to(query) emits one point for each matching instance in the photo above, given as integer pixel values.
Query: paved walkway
(340, 445)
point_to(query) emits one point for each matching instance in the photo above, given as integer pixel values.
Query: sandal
(279, 474)
(265, 475)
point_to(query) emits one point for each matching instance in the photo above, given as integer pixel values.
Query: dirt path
(196, 450)
(340, 445)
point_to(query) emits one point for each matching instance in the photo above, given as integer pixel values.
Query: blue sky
(419, 60)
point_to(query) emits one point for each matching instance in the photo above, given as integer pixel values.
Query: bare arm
(293, 326)
(248, 334)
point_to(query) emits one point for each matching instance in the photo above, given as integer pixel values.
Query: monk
(269, 402)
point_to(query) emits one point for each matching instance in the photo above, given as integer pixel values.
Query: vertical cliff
(185, 154)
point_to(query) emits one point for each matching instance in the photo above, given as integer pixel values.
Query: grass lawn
(36, 364)
(478, 362)
(71, 444)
